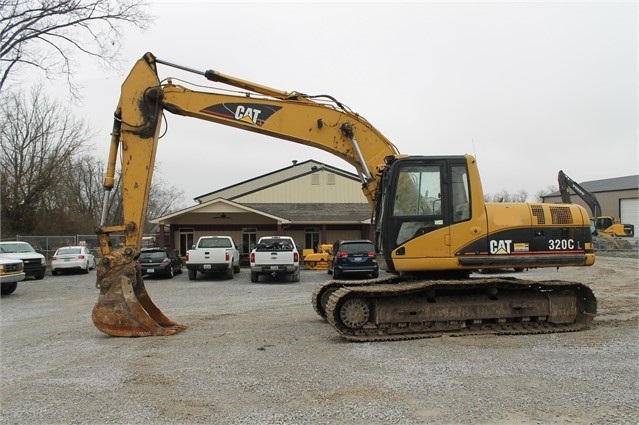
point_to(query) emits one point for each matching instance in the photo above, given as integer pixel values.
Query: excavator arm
(566, 184)
(124, 307)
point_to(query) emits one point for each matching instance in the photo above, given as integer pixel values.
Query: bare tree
(520, 196)
(46, 34)
(548, 190)
(49, 183)
(505, 196)
(163, 199)
(76, 198)
(39, 139)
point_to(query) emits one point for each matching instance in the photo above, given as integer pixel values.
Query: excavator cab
(602, 223)
(424, 202)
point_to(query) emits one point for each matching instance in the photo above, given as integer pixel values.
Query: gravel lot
(258, 354)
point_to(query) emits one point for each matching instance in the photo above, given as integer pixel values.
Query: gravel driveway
(256, 353)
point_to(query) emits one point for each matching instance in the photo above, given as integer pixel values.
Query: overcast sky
(529, 88)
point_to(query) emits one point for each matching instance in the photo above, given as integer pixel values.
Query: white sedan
(72, 258)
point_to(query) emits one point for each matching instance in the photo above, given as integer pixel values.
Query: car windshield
(68, 251)
(215, 243)
(153, 255)
(16, 247)
(357, 248)
(276, 244)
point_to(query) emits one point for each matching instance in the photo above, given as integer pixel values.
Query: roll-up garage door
(630, 212)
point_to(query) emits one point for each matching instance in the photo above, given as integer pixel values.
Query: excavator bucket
(124, 307)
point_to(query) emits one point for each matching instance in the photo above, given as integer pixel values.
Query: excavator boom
(566, 184)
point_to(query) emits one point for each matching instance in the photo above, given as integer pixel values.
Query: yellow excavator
(317, 259)
(603, 225)
(432, 226)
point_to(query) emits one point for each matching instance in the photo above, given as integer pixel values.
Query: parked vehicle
(213, 254)
(11, 272)
(353, 257)
(34, 263)
(275, 256)
(72, 258)
(160, 262)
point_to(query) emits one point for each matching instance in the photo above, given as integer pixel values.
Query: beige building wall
(333, 235)
(320, 187)
(257, 184)
(244, 219)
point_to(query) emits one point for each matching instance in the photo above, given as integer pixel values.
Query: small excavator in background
(317, 259)
(432, 225)
(602, 225)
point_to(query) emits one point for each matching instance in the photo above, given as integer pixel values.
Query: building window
(311, 238)
(249, 239)
(186, 240)
(330, 179)
(315, 179)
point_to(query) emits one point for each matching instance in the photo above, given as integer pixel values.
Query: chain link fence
(613, 244)
(48, 245)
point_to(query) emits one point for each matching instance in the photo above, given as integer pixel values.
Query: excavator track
(323, 291)
(427, 309)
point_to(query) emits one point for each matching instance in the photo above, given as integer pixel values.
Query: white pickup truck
(34, 263)
(11, 272)
(275, 256)
(213, 254)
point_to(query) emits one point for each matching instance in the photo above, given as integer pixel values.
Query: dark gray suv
(160, 262)
(353, 257)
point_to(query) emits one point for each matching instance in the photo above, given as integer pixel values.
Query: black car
(160, 262)
(353, 257)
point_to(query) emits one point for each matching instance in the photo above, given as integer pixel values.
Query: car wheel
(237, 269)
(296, 276)
(171, 272)
(8, 289)
(54, 272)
(254, 277)
(39, 276)
(192, 274)
(229, 273)
(375, 275)
(86, 268)
(335, 274)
